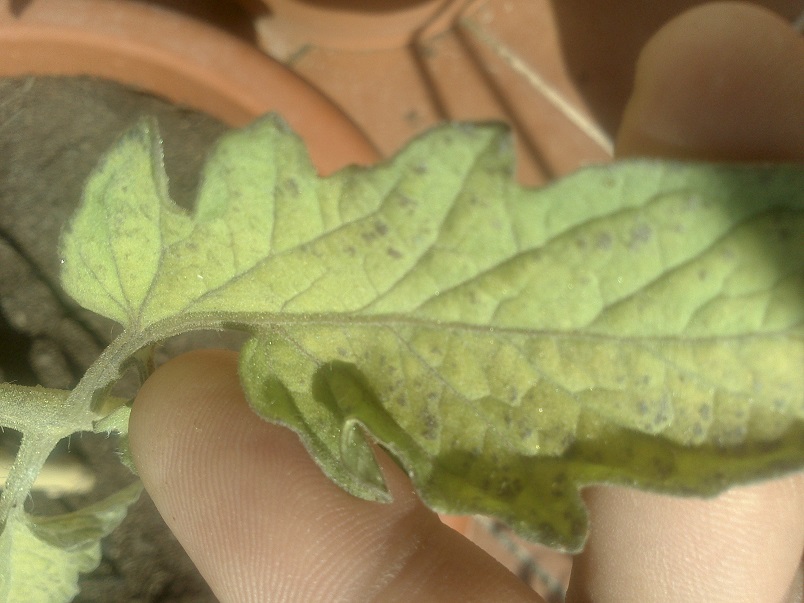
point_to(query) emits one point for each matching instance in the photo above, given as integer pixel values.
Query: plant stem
(30, 459)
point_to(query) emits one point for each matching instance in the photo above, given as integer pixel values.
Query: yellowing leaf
(637, 323)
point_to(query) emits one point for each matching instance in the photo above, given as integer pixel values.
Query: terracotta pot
(288, 26)
(440, 60)
(173, 56)
(559, 72)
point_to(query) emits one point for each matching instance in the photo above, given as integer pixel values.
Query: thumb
(262, 522)
(725, 82)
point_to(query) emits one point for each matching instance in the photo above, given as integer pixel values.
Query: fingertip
(262, 522)
(163, 410)
(722, 81)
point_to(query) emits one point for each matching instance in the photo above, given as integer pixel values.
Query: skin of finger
(747, 543)
(723, 81)
(744, 545)
(262, 522)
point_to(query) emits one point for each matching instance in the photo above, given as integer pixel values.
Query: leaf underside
(637, 323)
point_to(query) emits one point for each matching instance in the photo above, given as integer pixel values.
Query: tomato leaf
(636, 323)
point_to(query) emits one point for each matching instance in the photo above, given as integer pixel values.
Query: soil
(52, 133)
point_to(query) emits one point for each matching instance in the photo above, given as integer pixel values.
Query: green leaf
(637, 323)
(114, 245)
(41, 557)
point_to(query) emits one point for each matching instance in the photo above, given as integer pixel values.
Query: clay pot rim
(190, 63)
(288, 26)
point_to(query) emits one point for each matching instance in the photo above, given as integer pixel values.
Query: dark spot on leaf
(292, 187)
(663, 410)
(548, 533)
(342, 352)
(731, 436)
(394, 253)
(727, 254)
(719, 477)
(664, 466)
(534, 255)
(381, 228)
(603, 241)
(559, 485)
(595, 455)
(640, 235)
(693, 203)
(429, 426)
(705, 412)
(578, 525)
(405, 201)
(678, 228)
(784, 233)
(509, 488)
(767, 446)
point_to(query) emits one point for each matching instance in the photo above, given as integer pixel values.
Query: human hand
(263, 523)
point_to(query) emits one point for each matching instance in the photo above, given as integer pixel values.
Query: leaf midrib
(250, 321)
